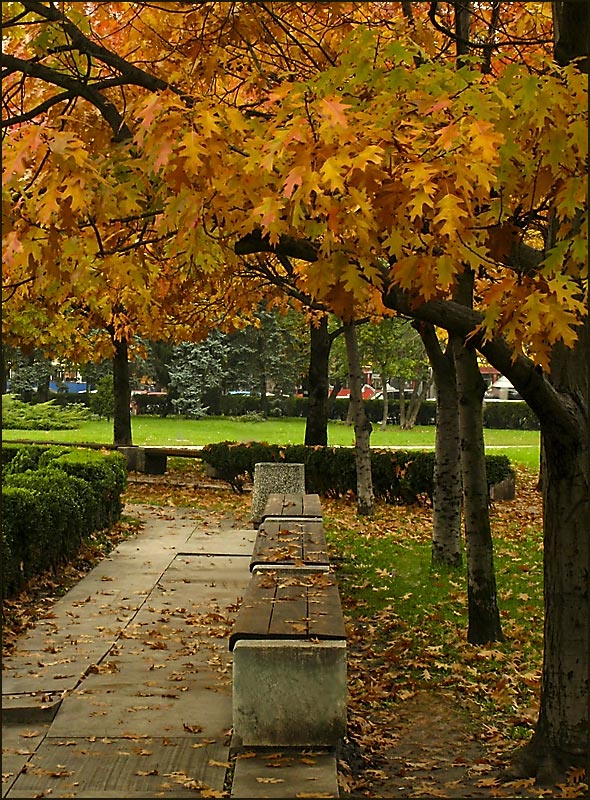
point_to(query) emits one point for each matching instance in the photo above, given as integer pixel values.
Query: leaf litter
(429, 715)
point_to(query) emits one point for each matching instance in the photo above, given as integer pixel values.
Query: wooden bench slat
(295, 542)
(280, 605)
(289, 616)
(292, 505)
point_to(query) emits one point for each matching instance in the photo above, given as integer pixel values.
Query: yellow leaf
(331, 173)
(449, 214)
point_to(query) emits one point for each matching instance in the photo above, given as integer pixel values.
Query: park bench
(289, 661)
(291, 544)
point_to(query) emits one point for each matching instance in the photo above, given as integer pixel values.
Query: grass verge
(522, 447)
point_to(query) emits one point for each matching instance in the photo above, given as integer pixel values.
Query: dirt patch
(434, 752)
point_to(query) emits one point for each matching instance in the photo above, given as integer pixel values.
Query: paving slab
(122, 767)
(19, 744)
(125, 689)
(283, 773)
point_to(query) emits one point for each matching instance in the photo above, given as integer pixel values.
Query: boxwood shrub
(53, 497)
(400, 477)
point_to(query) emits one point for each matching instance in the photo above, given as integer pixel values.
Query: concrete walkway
(124, 690)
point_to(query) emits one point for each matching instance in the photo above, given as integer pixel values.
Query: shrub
(105, 474)
(399, 476)
(53, 497)
(23, 515)
(102, 402)
(509, 414)
(42, 416)
(64, 501)
(21, 457)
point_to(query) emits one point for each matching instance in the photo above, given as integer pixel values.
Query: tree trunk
(401, 385)
(560, 401)
(415, 404)
(385, 416)
(446, 501)
(262, 380)
(122, 390)
(362, 425)
(316, 427)
(484, 617)
(561, 734)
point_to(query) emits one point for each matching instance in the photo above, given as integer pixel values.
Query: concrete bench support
(289, 693)
(149, 460)
(271, 478)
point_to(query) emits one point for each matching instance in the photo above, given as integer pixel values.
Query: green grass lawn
(522, 447)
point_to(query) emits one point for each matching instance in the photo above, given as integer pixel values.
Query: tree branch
(549, 405)
(255, 242)
(132, 73)
(34, 112)
(74, 87)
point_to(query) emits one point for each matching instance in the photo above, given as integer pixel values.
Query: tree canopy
(149, 150)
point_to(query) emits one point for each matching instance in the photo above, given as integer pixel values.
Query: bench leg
(289, 693)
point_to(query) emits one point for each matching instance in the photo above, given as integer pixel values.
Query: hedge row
(498, 414)
(53, 498)
(400, 477)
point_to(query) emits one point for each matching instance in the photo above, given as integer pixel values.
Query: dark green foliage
(23, 515)
(509, 415)
(64, 500)
(497, 469)
(42, 416)
(102, 402)
(400, 477)
(21, 457)
(52, 498)
(104, 473)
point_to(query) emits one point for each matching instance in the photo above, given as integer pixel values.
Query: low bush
(47, 416)
(400, 477)
(54, 497)
(105, 474)
(509, 415)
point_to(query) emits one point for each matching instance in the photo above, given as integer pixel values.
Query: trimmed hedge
(53, 498)
(509, 415)
(400, 477)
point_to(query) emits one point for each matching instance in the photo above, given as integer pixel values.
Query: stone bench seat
(289, 661)
(291, 544)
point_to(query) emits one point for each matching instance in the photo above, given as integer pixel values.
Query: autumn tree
(475, 199)
(343, 137)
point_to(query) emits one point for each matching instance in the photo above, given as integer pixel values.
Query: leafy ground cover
(429, 714)
(521, 446)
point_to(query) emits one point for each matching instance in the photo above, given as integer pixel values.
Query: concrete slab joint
(275, 478)
(289, 693)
